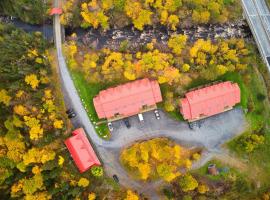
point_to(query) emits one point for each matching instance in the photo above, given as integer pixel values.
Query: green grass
(87, 92)
(223, 174)
(238, 182)
(258, 111)
(237, 78)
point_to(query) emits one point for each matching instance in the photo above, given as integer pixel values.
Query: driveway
(214, 132)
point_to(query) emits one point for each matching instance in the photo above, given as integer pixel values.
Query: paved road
(215, 130)
(258, 17)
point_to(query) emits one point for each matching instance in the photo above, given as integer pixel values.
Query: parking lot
(216, 129)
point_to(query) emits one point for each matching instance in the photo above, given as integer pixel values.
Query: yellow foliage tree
(173, 21)
(185, 67)
(36, 170)
(15, 148)
(61, 160)
(144, 169)
(202, 188)
(140, 17)
(83, 182)
(4, 97)
(93, 14)
(91, 196)
(131, 195)
(58, 124)
(38, 196)
(31, 185)
(36, 155)
(32, 80)
(20, 110)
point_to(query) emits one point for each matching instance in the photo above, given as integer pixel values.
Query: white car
(157, 114)
(140, 117)
(110, 126)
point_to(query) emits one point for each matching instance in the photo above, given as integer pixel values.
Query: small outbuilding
(213, 170)
(56, 11)
(210, 100)
(81, 150)
(127, 99)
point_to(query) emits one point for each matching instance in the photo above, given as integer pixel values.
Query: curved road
(211, 136)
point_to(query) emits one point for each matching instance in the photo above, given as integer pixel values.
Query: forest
(118, 13)
(34, 163)
(170, 13)
(30, 11)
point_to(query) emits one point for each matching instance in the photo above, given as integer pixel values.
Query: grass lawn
(238, 183)
(224, 171)
(258, 110)
(87, 92)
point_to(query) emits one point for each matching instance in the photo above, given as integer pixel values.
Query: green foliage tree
(30, 11)
(188, 183)
(97, 171)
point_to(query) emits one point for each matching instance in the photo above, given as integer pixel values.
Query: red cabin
(56, 11)
(81, 150)
(127, 99)
(210, 100)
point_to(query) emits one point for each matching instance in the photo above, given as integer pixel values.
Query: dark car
(127, 123)
(115, 178)
(195, 125)
(69, 111)
(72, 115)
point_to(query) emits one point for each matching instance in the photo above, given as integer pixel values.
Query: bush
(97, 171)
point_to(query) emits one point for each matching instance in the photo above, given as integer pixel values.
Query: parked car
(69, 111)
(115, 178)
(195, 125)
(72, 115)
(140, 117)
(126, 121)
(110, 126)
(157, 114)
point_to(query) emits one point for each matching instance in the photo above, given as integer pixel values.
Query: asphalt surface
(258, 17)
(213, 133)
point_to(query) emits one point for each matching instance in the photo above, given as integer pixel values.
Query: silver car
(110, 126)
(157, 114)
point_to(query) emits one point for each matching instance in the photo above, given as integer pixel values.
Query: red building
(81, 150)
(56, 11)
(209, 101)
(127, 99)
